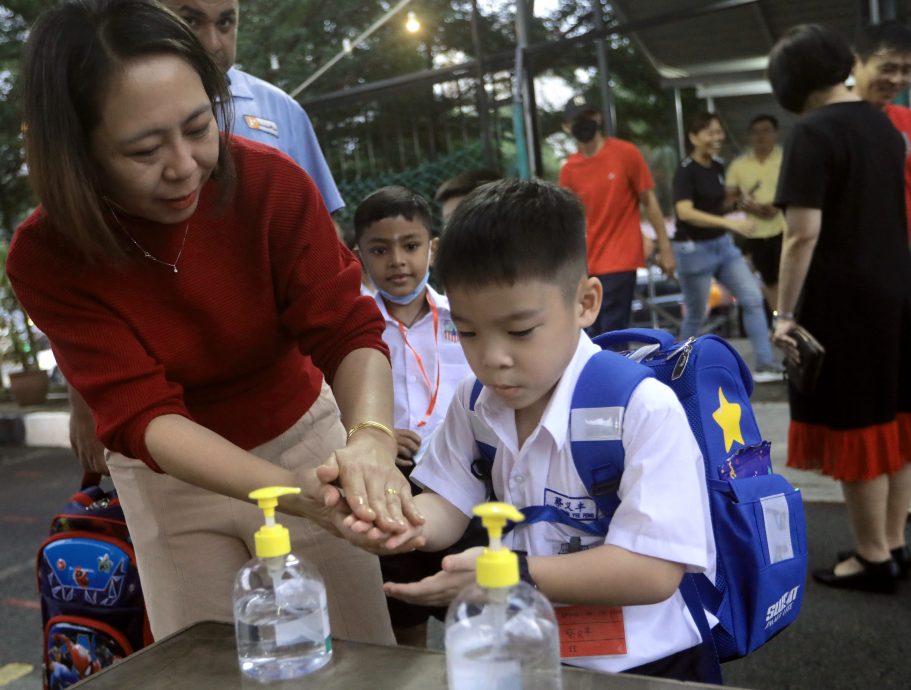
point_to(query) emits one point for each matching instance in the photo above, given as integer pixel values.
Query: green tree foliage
(402, 128)
(15, 196)
(306, 35)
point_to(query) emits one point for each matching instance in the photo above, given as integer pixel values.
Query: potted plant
(19, 344)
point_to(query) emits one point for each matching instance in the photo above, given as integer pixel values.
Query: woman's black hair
(72, 53)
(510, 231)
(809, 57)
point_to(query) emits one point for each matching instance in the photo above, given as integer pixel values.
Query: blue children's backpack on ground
(92, 609)
(757, 516)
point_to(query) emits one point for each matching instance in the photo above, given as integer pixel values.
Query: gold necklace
(146, 253)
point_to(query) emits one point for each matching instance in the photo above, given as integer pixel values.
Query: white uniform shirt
(663, 511)
(411, 393)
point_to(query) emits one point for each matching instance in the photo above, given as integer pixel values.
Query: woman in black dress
(846, 277)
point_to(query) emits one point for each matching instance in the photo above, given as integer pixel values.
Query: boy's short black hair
(764, 117)
(509, 231)
(891, 36)
(465, 183)
(809, 57)
(390, 202)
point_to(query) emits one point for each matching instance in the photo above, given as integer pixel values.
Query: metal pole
(526, 87)
(710, 104)
(874, 12)
(481, 87)
(608, 115)
(681, 132)
(518, 118)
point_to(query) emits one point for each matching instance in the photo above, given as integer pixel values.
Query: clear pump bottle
(501, 632)
(281, 616)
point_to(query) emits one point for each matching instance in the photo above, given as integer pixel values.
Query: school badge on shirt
(261, 124)
(450, 333)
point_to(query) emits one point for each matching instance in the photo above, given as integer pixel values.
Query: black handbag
(812, 353)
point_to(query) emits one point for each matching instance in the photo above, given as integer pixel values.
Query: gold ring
(391, 492)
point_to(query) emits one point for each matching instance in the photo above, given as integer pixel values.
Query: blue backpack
(757, 516)
(91, 601)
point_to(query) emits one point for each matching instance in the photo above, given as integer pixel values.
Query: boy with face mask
(611, 178)
(394, 241)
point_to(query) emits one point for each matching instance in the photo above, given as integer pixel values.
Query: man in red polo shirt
(882, 70)
(611, 178)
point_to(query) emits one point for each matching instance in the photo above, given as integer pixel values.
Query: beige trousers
(191, 542)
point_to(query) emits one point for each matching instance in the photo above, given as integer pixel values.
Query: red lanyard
(433, 390)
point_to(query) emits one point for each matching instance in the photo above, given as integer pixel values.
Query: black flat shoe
(901, 556)
(875, 577)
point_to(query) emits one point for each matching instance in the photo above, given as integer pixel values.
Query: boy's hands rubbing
(368, 536)
(439, 589)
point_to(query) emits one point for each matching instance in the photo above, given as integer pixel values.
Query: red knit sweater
(263, 283)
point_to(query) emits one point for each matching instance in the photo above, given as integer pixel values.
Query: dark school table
(203, 657)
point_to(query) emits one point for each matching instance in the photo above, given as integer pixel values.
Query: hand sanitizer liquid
(281, 616)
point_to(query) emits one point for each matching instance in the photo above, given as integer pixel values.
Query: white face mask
(413, 295)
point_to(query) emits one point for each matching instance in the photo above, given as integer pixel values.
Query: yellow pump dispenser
(497, 567)
(272, 539)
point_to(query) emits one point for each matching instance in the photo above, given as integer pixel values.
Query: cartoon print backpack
(92, 608)
(757, 516)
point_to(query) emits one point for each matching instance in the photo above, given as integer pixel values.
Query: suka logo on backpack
(781, 607)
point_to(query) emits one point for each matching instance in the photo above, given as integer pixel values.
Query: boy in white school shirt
(394, 241)
(514, 266)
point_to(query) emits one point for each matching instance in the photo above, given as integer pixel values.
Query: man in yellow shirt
(751, 180)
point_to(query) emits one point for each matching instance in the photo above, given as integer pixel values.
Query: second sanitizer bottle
(501, 632)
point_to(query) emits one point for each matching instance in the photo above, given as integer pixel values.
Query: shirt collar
(773, 156)
(555, 418)
(238, 85)
(440, 301)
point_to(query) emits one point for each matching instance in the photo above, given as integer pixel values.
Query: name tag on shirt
(591, 631)
(261, 124)
(576, 507)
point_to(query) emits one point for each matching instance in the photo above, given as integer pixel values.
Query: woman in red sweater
(198, 317)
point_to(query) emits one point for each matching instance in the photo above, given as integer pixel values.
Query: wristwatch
(524, 575)
(783, 316)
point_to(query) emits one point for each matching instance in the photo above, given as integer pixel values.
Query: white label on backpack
(777, 520)
(596, 424)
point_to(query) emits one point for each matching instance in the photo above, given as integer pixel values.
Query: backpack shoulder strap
(596, 426)
(485, 441)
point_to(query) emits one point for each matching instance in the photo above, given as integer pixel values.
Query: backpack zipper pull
(683, 359)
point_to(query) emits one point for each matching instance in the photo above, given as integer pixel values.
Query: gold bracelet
(370, 424)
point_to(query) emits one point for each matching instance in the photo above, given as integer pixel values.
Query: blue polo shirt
(267, 114)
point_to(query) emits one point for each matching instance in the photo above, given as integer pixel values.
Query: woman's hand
(365, 475)
(85, 444)
(439, 589)
(315, 503)
(785, 342)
